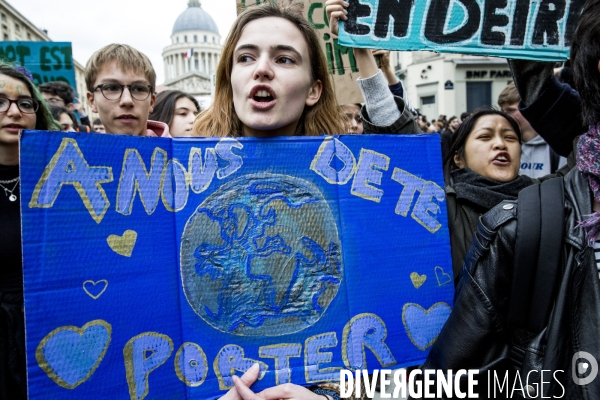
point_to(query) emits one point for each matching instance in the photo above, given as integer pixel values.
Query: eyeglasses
(26, 106)
(114, 91)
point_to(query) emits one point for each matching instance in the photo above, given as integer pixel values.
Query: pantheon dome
(194, 18)
(191, 58)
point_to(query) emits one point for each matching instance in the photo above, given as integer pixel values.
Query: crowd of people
(272, 80)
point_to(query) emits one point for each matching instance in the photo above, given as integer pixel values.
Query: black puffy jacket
(477, 334)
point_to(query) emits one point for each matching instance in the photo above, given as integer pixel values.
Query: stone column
(166, 63)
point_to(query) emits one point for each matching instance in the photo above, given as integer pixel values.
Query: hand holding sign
(287, 391)
(336, 10)
(383, 60)
(247, 379)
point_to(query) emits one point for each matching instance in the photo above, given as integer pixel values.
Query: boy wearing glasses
(120, 82)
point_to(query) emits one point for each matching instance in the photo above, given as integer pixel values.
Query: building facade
(192, 57)
(15, 27)
(451, 84)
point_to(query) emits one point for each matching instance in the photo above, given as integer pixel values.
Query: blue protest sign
(47, 61)
(158, 267)
(533, 30)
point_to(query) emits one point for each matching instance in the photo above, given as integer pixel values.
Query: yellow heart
(123, 245)
(417, 280)
(77, 351)
(95, 296)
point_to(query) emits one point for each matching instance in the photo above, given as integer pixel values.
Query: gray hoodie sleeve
(379, 101)
(383, 112)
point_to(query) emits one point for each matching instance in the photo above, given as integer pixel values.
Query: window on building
(28, 36)
(177, 39)
(214, 39)
(17, 27)
(478, 94)
(5, 36)
(185, 38)
(196, 65)
(195, 38)
(428, 106)
(3, 17)
(428, 100)
(205, 40)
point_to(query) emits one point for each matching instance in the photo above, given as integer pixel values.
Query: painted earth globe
(261, 256)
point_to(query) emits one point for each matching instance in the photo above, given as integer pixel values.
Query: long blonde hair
(220, 119)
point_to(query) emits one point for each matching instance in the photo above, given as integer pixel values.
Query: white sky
(143, 24)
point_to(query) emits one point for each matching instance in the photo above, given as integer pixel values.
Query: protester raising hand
(386, 66)
(365, 61)
(336, 10)
(382, 112)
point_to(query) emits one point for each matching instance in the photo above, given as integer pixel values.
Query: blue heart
(70, 355)
(424, 326)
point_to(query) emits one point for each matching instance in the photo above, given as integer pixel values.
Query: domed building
(191, 59)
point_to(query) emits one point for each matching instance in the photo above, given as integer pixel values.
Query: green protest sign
(47, 61)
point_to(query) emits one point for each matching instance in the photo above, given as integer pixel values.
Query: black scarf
(484, 192)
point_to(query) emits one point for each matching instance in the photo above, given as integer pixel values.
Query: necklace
(10, 181)
(12, 196)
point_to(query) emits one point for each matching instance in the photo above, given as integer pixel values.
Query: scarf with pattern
(588, 163)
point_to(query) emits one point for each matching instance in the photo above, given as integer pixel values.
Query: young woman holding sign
(21, 107)
(272, 80)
